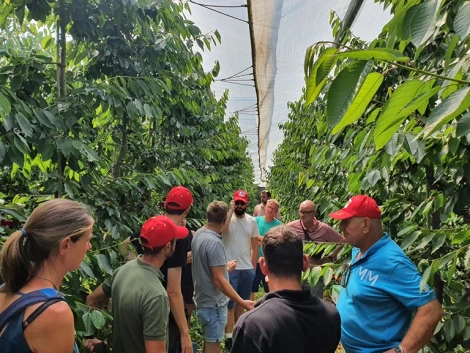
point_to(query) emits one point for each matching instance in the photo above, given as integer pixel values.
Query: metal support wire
(210, 7)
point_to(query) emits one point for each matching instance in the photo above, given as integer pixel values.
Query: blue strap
(28, 299)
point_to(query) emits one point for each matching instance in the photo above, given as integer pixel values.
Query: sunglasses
(240, 203)
(306, 212)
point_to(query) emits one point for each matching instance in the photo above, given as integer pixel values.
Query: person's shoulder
(57, 316)
(292, 223)
(277, 222)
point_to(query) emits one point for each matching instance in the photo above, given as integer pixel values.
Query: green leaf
(463, 125)
(217, 35)
(87, 269)
(406, 230)
(25, 125)
(361, 100)
(449, 109)
(449, 330)
(19, 216)
(462, 21)
(5, 107)
(47, 42)
(344, 88)
(98, 319)
(5, 12)
(424, 241)
(423, 23)
(438, 242)
(450, 49)
(314, 276)
(91, 155)
(466, 260)
(410, 239)
(104, 263)
(459, 323)
(317, 76)
(406, 99)
(21, 144)
(425, 279)
(89, 328)
(65, 145)
(3, 151)
(415, 147)
(374, 54)
(328, 275)
(461, 237)
(451, 272)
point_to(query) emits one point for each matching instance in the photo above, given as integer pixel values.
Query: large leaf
(406, 99)
(462, 21)
(5, 11)
(423, 23)
(344, 88)
(374, 54)
(25, 125)
(5, 107)
(98, 319)
(453, 106)
(104, 263)
(317, 76)
(361, 101)
(463, 125)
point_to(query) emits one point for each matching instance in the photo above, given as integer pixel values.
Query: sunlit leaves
(462, 21)
(344, 88)
(317, 73)
(423, 23)
(449, 109)
(406, 99)
(374, 54)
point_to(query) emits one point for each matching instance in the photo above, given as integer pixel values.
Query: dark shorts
(241, 281)
(259, 279)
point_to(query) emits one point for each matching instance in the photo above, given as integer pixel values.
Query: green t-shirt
(140, 306)
(263, 228)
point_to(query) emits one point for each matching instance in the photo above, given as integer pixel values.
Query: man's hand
(232, 205)
(186, 344)
(231, 265)
(390, 351)
(248, 304)
(91, 343)
(260, 241)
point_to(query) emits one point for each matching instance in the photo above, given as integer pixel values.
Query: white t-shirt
(237, 240)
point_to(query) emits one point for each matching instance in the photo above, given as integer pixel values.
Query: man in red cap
(240, 237)
(177, 205)
(140, 301)
(381, 288)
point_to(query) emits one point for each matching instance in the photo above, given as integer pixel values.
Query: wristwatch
(399, 350)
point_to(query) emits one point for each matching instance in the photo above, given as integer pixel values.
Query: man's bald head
(310, 205)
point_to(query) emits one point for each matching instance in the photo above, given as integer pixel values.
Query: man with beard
(260, 209)
(140, 303)
(311, 229)
(177, 206)
(240, 237)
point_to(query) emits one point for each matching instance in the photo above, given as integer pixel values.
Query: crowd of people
(217, 271)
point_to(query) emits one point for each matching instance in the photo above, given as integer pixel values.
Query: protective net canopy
(262, 53)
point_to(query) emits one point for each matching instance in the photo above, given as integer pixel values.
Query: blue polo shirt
(381, 293)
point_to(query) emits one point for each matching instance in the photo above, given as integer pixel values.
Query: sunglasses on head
(240, 203)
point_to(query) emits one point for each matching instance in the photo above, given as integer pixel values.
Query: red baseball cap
(159, 230)
(241, 195)
(358, 206)
(180, 197)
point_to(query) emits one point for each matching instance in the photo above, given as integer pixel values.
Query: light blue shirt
(377, 303)
(264, 227)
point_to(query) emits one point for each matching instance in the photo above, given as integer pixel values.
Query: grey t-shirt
(207, 251)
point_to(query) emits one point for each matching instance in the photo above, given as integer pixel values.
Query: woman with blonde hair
(34, 317)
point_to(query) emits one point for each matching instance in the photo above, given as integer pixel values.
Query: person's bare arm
(177, 307)
(221, 282)
(229, 217)
(155, 346)
(55, 325)
(422, 328)
(97, 298)
(254, 251)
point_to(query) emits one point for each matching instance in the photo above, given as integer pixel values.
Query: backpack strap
(26, 300)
